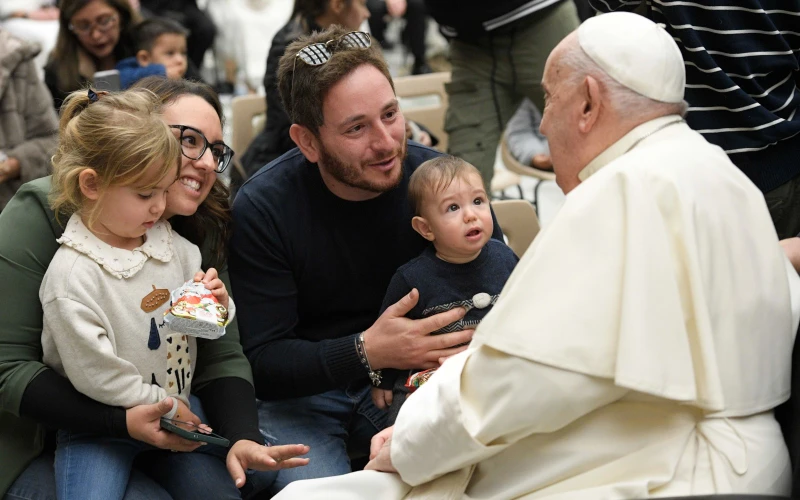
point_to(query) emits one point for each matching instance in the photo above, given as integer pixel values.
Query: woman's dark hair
(64, 57)
(308, 10)
(213, 216)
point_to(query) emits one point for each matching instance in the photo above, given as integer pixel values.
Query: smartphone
(173, 426)
(107, 80)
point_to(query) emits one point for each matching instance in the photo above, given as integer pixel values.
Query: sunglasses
(317, 54)
(194, 145)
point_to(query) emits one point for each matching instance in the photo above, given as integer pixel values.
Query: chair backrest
(246, 113)
(517, 219)
(423, 98)
(515, 166)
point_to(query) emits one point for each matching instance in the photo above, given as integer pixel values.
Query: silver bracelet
(374, 375)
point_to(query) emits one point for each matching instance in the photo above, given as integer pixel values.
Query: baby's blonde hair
(434, 176)
(119, 136)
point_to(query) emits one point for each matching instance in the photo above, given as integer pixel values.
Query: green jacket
(28, 233)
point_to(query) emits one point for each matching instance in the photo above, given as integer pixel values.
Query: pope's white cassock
(637, 350)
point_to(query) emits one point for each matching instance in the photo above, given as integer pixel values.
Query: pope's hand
(791, 246)
(380, 452)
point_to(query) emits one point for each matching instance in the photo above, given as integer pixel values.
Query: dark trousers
(416, 25)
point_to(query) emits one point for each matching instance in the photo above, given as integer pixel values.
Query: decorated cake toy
(195, 311)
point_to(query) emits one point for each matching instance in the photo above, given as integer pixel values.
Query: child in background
(464, 266)
(103, 295)
(160, 50)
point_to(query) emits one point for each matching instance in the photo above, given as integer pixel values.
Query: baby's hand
(210, 280)
(382, 398)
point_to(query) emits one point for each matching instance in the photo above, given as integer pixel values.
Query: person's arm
(614, 5)
(483, 400)
(266, 294)
(224, 382)
(51, 81)
(522, 134)
(41, 130)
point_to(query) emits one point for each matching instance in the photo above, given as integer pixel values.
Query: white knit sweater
(95, 330)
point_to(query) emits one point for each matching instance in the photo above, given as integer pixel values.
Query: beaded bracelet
(374, 376)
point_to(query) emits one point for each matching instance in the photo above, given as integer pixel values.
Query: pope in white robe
(642, 342)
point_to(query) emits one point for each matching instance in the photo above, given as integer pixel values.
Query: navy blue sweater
(742, 60)
(443, 286)
(309, 271)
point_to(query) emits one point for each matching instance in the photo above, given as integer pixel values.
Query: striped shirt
(742, 75)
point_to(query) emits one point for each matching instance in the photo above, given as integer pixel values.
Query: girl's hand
(210, 280)
(245, 454)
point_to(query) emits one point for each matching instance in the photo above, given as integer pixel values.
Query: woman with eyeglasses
(34, 399)
(93, 36)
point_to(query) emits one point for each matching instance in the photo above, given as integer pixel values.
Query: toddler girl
(106, 290)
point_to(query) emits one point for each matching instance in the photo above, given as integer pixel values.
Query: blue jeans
(37, 482)
(156, 475)
(337, 425)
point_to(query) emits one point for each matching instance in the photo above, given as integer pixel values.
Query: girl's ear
(88, 182)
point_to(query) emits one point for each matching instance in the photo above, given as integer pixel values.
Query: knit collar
(119, 262)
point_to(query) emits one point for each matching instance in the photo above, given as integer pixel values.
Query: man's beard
(352, 175)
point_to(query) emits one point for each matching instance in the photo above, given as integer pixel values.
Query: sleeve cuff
(342, 360)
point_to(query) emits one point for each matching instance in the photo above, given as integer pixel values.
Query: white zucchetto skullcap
(637, 53)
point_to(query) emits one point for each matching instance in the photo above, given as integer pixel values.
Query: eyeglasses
(102, 24)
(194, 145)
(317, 54)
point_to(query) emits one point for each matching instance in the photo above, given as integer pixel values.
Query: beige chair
(517, 219)
(423, 99)
(248, 117)
(515, 166)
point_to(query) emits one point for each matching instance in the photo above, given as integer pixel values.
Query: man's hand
(380, 454)
(246, 454)
(791, 246)
(144, 425)
(382, 398)
(395, 341)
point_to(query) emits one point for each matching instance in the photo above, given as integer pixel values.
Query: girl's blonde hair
(119, 136)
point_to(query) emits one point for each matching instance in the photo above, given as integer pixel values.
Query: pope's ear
(420, 225)
(591, 104)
